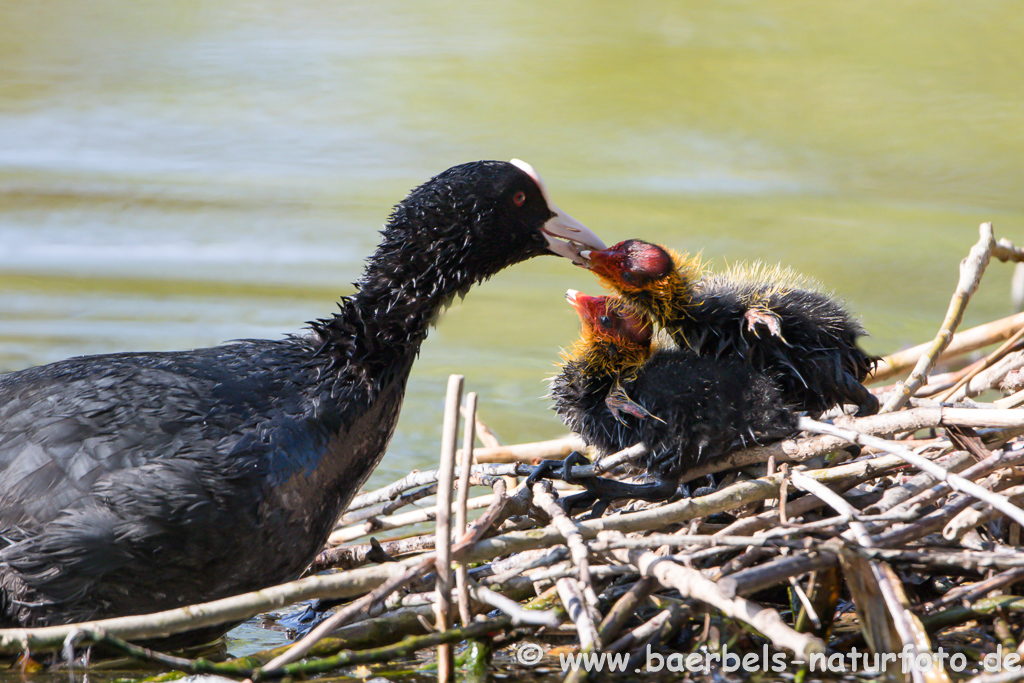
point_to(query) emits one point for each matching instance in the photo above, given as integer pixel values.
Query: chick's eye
(605, 321)
(519, 198)
(628, 276)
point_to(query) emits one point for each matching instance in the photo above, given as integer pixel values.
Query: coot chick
(687, 409)
(768, 316)
(138, 482)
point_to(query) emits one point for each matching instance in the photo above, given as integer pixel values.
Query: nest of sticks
(898, 534)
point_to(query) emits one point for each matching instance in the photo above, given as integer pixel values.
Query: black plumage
(616, 389)
(137, 482)
(768, 316)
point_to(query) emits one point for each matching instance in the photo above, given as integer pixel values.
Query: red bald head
(631, 265)
(610, 318)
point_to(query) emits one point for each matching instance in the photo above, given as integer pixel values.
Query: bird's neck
(600, 359)
(399, 297)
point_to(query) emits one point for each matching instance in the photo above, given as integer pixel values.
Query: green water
(173, 175)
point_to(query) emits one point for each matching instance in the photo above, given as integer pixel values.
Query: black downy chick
(768, 316)
(618, 388)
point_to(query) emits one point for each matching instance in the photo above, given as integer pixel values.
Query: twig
(373, 526)
(649, 628)
(576, 608)
(537, 617)
(954, 480)
(1003, 349)
(624, 608)
(971, 270)
(964, 342)
(237, 608)
(690, 583)
(383, 509)
(990, 377)
(997, 460)
(425, 478)
(973, 517)
(486, 435)
(554, 449)
(836, 502)
(569, 531)
(468, 438)
(443, 557)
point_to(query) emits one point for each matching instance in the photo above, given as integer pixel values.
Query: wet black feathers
(131, 483)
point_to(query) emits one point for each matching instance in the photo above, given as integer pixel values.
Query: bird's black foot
(599, 492)
(557, 469)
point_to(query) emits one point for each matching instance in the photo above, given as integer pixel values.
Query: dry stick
(896, 496)
(576, 608)
(991, 377)
(998, 460)
(237, 608)
(964, 342)
(383, 509)
(348, 534)
(425, 478)
(649, 628)
(836, 502)
(976, 560)
(881, 574)
(567, 527)
(973, 517)
(1003, 349)
(967, 594)
(443, 555)
(468, 438)
(486, 435)
(971, 270)
(554, 449)
(624, 608)
(614, 460)
(1004, 250)
(954, 480)
(352, 556)
(691, 584)
(548, 618)
(1011, 401)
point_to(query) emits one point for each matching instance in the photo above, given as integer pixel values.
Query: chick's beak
(597, 260)
(583, 304)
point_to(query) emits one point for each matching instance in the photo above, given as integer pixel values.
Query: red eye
(519, 198)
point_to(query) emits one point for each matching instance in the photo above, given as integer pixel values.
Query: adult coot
(616, 389)
(137, 482)
(769, 316)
